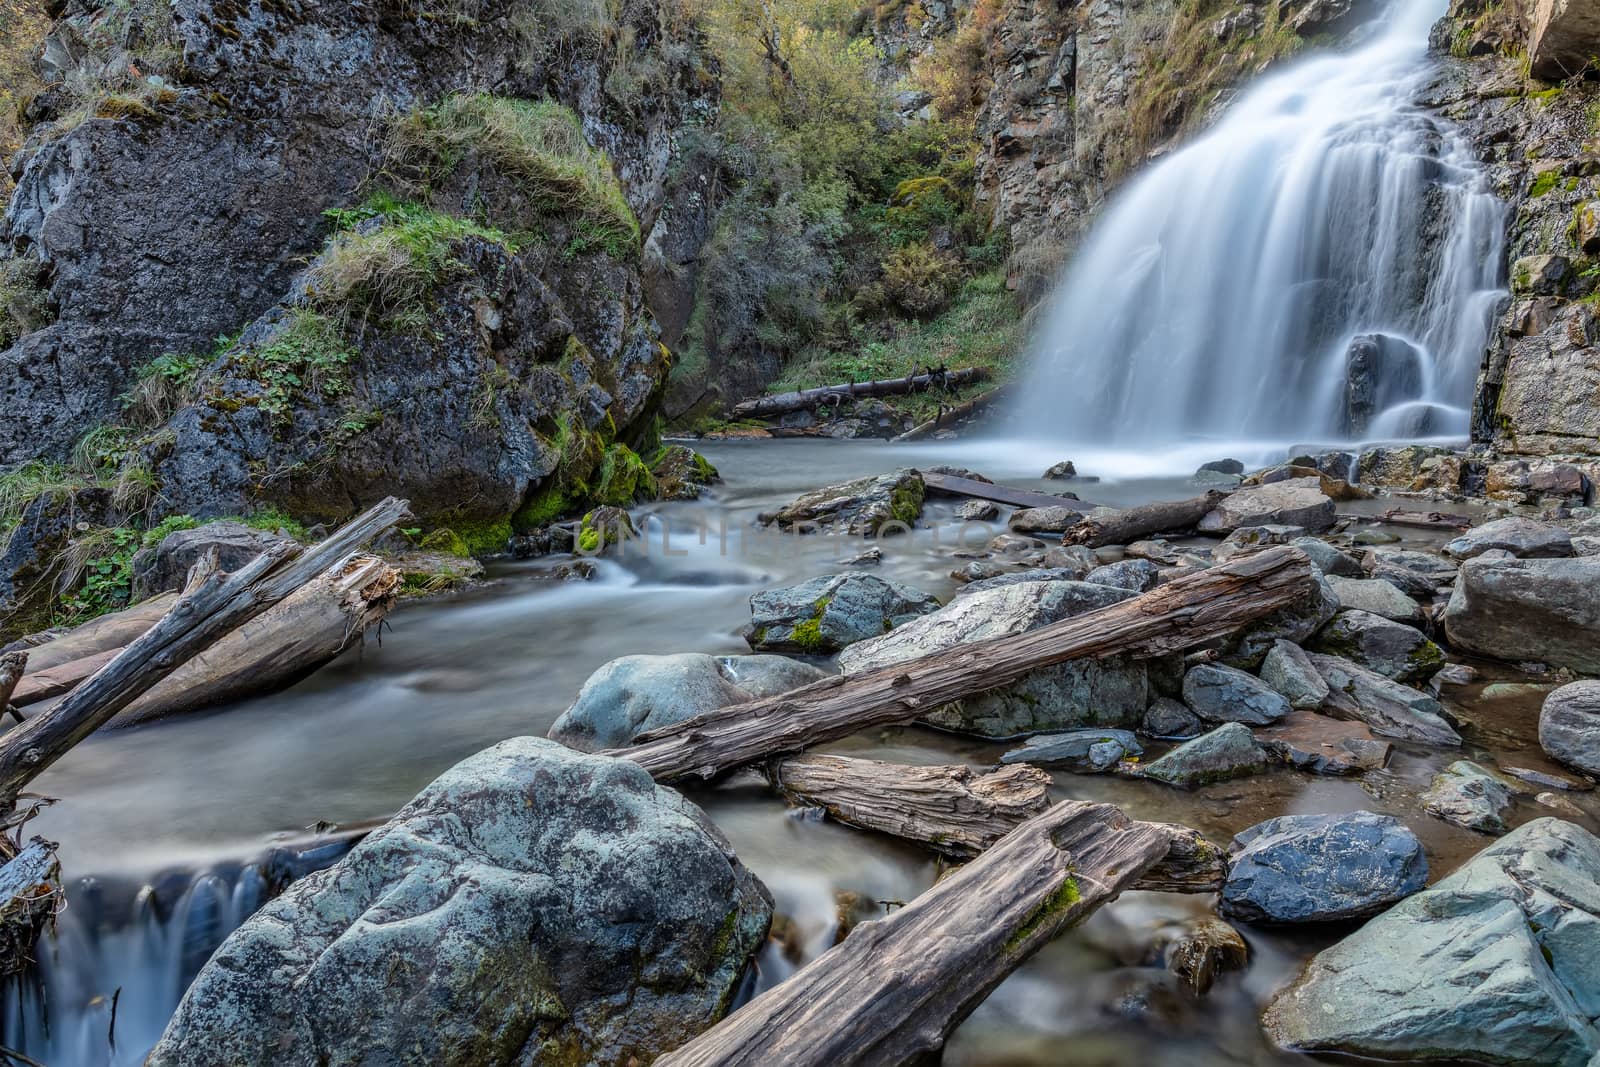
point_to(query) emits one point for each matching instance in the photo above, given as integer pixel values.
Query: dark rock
(1569, 726)
(825, 614)
(1223, 466)
(1168, 720)
(1328, 559)
(1393, 649)
(1290, 673)
(1529, 609)
(1063, 471)
(166, 566)
(863, 508)
(1381, 370)
(1322, 868)
(1521, 537)
(1201, 950)
(681, 473)
(1296, 623)
(1225, 753)
(48, 524)
(1391, 709)
(1222, 694)
(1134, 575)
(1467, 795)
(1082, 750)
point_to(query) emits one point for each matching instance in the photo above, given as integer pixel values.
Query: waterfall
(1323, 265)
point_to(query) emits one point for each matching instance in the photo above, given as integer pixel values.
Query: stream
(157, 823)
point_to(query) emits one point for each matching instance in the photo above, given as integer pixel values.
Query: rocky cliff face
(176, 184)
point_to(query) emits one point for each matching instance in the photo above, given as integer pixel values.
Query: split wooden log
(1133, 524)
(948, 416)
(892, 991)
(30, 889)
(212, 606)
(959, 813)
(1171, 618)
(804, 399)
(1425, 520)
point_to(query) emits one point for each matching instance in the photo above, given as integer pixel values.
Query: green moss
(589, 539)
(1545, 181)
(623, 478)
(446, 540)
(306, 355)
(486, 537)
(547, 504)
(807, 637)
(905, 503)
(1062, 900)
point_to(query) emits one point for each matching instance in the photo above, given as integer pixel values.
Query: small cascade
(1323, 265)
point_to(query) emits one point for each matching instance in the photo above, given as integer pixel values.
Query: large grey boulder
(1328, 559)
(1134, 575)
(1565, 39)
(1415, 573)
(633, 694)
(862, 508)
(1569, 726)
(1222, 694)
(1053, 518)
(1529, 609)
(1168, 719)
(1495, 964)
(532, 905)
(825, 614)
(1294, 622)
(1296, 502)
(1468, 795)
(1082, 750)
(1393, 649)
(1376, 595)
(1322, 868)
(1229, 751)
(1290, 673)
(1391, 709)
(166, 565)
(1523, 538)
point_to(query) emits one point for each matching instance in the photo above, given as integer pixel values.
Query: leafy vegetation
(22, 28)
(24, 303)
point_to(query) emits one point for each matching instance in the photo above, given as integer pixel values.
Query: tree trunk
(107, 633)
(804, 399)
(211, 607)
(1132, 524)
(1172, 618)
(30, 887)
(892, 991)
(954, 414)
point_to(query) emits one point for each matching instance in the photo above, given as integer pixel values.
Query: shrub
(920, 279)
(24, 302)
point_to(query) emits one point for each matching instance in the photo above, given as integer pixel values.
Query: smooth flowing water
(162, 827)
(1323, 265)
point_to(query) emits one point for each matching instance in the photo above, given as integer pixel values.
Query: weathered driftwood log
(1133, 524)
(107, 633)
(892, 991)
(1172, 618)
(782, 403)
(1426, 520)
(951, 485)
(955, 414)
(958, 812)
(30, 889)
(42, 685)
(211, 607)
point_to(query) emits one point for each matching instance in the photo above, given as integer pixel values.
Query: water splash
(1323, 265)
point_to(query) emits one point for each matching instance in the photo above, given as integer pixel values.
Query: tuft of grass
(168, 383)
(25, 484)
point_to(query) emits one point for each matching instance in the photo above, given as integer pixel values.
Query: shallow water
(195, 795)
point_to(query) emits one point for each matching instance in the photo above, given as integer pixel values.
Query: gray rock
(633, 694)
(1295, 622)
(1222, 466)
(1391, 648)
(1229, 751)
(1135, 575)
(1168, 720)
(1467, 795)
(1328, 559)
(1529, 609)
(1248, 539)
(1495, 964)
(1222, 694)
(1084, 693)
(1052, 519)
(166, 566)
(1376, 595)
(1523, 538)
(1391, 709)
(1215, 480)
(1322, 868)
(1070, 558)
(1417, 573)
(1082, 750)
(978, 511)
(1565, 36)
(998, 581)
(861, 508)
(533, 904)
(825, 614)
(1063, 471)
(1296, 502)
(1291, 674)
(1569, 726)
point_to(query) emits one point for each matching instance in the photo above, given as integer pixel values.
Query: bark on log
(1425, 520)
(1133, 524)
(892, 991)
(782, 403)
(105, 634)
(211, 607)
(954, 414)
(1171, 618)
(30, 887)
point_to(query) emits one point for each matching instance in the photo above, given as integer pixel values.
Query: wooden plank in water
(951, 485)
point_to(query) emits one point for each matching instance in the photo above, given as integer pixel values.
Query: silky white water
(1219, 295)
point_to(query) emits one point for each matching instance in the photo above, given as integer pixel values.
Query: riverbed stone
(1168, 719)
(1230, 751)
(1494, 964)
(1416, 573)
(1200, 950)
(1378, 596)
(1291, 674)
(1391, 648)
(1523, 538)
(1296, 502)
(1054, 518)
(1391, 709)
(1569, 726)
(634, 694)
(1134, 575)
(1318, 744)
(1084, 693)
(978, 511)
(865, 507)
(1081, 750)
(1529, 609)
(532, 905)
(1328, 559)
(824, 614)
(1222, 694)
(1322, 868)
(1295, 622)
(1466, 794)
(1248, 539)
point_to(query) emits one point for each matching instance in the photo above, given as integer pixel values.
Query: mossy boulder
(866, 507)
(681, 473)
(823, 615)
(1391, 648)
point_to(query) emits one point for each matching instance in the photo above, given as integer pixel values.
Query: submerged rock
(1523, 538)
(1393, 649)
(825, 614)
(1222, 694)
(1494, 964)
(1391, 709)
(1467, 795)
(1082, 750)
(1322, 868)
(865, 507)
(1201, 950)
(1296, 502)
(532, 905)
(1229, 751)
(1529, 609)
(1569, 726)
(1322, 745)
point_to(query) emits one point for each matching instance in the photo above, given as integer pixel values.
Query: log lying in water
(30, 889)
(951, 485)
(803, 399)
(954, 414)
(1134, 524)
(1172, 618)
(212, 606)
(892, 991)
(958, 812)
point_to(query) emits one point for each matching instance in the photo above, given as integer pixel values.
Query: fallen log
(1134, 524)
(891, 992)
(1171, 618)
(52, 682)
(30, 891)
(212, 606)
(107, 633)
(1424, 520)
(950, 485)
(954, 414)
(804, 399)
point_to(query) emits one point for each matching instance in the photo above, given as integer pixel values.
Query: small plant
(307, 353)
(24, 302)
(96, 573)
(167, 383)
(920, 279)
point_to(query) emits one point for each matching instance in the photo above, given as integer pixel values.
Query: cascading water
(1324, 265)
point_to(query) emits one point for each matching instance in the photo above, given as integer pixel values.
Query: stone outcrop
(1543, 610)
(1569, 725)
